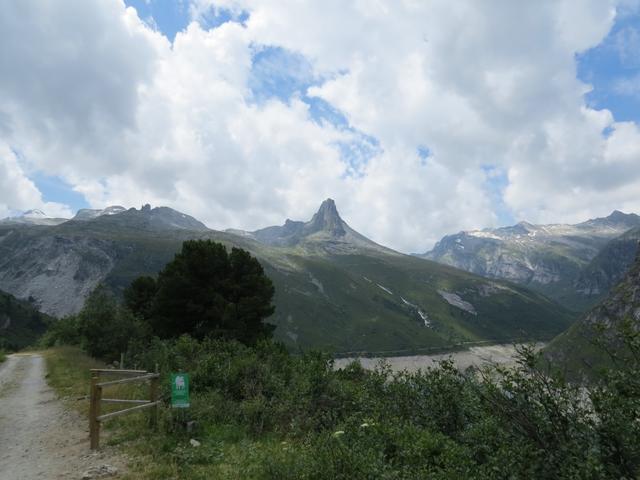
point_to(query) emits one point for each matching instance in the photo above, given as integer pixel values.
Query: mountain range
(335, 288)
(573, 264)
(587, 345)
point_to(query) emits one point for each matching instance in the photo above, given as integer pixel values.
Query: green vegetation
(20, 323)
(104, 328)
(3, 356)
(337, 303)
(203, 292)
(206, 291)
(262, 413)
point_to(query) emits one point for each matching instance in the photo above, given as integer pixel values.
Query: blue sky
(613, 68)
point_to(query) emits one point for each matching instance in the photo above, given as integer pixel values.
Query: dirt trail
(39, 437)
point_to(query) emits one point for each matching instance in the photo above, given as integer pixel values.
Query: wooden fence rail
(96, 400)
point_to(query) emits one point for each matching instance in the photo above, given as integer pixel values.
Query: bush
(311, 421)
(65, 331)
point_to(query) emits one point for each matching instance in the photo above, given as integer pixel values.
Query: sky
(420, 118)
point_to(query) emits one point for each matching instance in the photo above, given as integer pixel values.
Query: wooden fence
(96, 399)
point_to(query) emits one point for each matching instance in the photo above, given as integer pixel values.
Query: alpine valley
(335, 288)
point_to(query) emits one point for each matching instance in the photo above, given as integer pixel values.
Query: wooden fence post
(94, 406)
(95, 402)
(153, 397)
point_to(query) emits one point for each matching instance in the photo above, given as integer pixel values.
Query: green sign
(180, 390)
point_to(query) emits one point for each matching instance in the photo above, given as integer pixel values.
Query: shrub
(106, 328)
(65, 331)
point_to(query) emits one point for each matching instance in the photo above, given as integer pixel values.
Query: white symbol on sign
(180, 383)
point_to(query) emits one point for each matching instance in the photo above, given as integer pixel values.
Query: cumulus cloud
(101, 99)
(18, 193)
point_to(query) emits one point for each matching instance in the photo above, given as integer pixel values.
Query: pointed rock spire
(327, 219)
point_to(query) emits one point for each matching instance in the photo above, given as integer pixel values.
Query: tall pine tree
(206, 291)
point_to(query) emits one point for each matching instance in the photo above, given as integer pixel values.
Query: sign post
(180, 390)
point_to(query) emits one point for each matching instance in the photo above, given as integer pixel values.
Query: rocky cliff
(548, 258)
(582, 349)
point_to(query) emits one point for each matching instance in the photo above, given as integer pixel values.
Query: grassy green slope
(352, 312)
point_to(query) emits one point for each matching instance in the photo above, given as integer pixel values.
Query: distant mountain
(20, 322)
(147, 218)
(547, 258)
(33, 217)
(610, 265)
(326, 232)
(89, 214)
(577, 351)
(335, 288)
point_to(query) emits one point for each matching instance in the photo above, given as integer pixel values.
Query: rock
(100, 471)
(194, 443)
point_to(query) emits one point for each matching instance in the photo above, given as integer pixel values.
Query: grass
(68, 373)
(3, 356)
(225, 451)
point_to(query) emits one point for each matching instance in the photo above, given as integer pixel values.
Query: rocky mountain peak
(35, 213)
(326, 232)
(88, 213)
(617, 219)
(33, 217)
(158, 218)
(630, 219)
(327, 219)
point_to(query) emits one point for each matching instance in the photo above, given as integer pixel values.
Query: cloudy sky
(419, 117)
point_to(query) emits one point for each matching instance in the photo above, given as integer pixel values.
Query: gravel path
(39, 437)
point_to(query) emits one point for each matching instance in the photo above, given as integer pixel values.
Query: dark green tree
(139, 296)
(206, 291)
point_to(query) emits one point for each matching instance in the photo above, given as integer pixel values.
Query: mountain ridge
(326, 231)
(547, 258)
(335, 289)
(580, 351)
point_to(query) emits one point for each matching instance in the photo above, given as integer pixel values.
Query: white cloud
(18, 193)
(98, 97)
